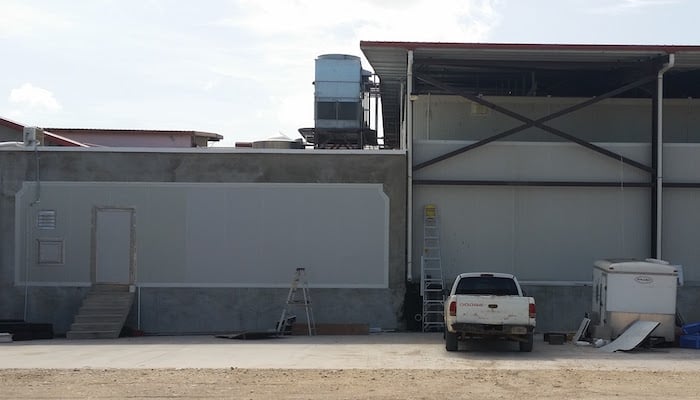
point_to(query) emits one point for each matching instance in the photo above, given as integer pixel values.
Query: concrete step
(102, 313)
(90, 310)
(93, 335)
(107, 303)
(96, 326)
(102, 292)
(106, 287)
(98, 318)
(121, 300)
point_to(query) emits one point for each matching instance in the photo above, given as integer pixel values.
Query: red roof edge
(61, 140)
(48, 136)
(11, 124)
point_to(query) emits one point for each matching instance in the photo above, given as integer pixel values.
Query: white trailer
(625, 291)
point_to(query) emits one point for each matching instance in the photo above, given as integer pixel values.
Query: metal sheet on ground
(581, 330)
(251, 335)
(632, 337)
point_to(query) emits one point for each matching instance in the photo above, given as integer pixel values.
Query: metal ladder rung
(432, 282)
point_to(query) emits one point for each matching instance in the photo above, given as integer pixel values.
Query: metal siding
(530, 161)
(681, 231)
(439, 117)
(538, 234)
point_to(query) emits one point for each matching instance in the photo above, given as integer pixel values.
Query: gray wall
(210, 234)
(178, 304)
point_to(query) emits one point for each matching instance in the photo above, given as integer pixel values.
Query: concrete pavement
(375, 351)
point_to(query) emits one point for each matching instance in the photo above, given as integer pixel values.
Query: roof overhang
(450, 60)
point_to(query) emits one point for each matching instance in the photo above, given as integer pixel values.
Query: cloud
(17, 19)
(621, 6)
(414, 20)
(34, 97)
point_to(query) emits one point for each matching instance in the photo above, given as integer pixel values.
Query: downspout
(28, 227)
(409, 156)
(660, 150)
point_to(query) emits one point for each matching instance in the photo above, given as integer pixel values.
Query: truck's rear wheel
(526, 346)
(450, 341)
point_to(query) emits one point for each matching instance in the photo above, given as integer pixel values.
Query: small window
(50, 251)
(487, 286)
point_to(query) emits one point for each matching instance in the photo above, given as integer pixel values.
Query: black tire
(451, 341)
(526, 346)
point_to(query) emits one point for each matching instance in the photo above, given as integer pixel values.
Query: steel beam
(476, 182)
(682, 185)
(539, 123)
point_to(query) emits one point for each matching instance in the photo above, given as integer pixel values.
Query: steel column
(653, 203)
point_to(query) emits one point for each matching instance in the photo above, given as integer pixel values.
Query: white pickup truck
(488, 304)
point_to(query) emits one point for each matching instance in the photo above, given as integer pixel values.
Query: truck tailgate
(500, 310)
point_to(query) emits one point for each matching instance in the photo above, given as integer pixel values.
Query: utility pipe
(660, 150)
(409, 157)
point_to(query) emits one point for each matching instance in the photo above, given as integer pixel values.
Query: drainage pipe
(409, 161)
(660, 150)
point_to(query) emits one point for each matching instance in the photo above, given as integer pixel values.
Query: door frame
(132, 241)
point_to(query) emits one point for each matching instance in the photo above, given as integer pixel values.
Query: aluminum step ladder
(287, 319)
(432, 282)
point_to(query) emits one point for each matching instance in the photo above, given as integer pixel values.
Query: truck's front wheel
(526, 346)
(450, 341)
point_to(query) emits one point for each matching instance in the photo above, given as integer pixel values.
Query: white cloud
(418, 20)
(17, 19)
(34, 97)
(620, 6)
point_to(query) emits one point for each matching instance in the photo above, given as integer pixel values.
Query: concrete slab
(376, 351)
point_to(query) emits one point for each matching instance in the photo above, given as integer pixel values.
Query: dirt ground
(236, 383)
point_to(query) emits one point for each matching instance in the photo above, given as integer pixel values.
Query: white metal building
(545, 158)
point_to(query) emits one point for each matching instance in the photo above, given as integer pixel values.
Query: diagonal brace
(539, 123)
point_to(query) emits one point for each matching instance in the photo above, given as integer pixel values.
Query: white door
(113, 245)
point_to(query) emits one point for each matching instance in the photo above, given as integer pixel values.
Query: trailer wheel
(526, 346)
(451, 341)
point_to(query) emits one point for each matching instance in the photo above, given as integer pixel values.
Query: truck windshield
(487, 285)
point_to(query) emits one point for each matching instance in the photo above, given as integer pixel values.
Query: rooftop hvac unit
(625, 291)
(33, 136)
(341, 103)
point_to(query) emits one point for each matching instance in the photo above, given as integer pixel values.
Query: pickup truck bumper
(464, 329)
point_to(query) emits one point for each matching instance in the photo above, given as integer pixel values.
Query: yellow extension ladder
(432, 283)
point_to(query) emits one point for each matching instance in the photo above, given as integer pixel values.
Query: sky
(245, 68)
